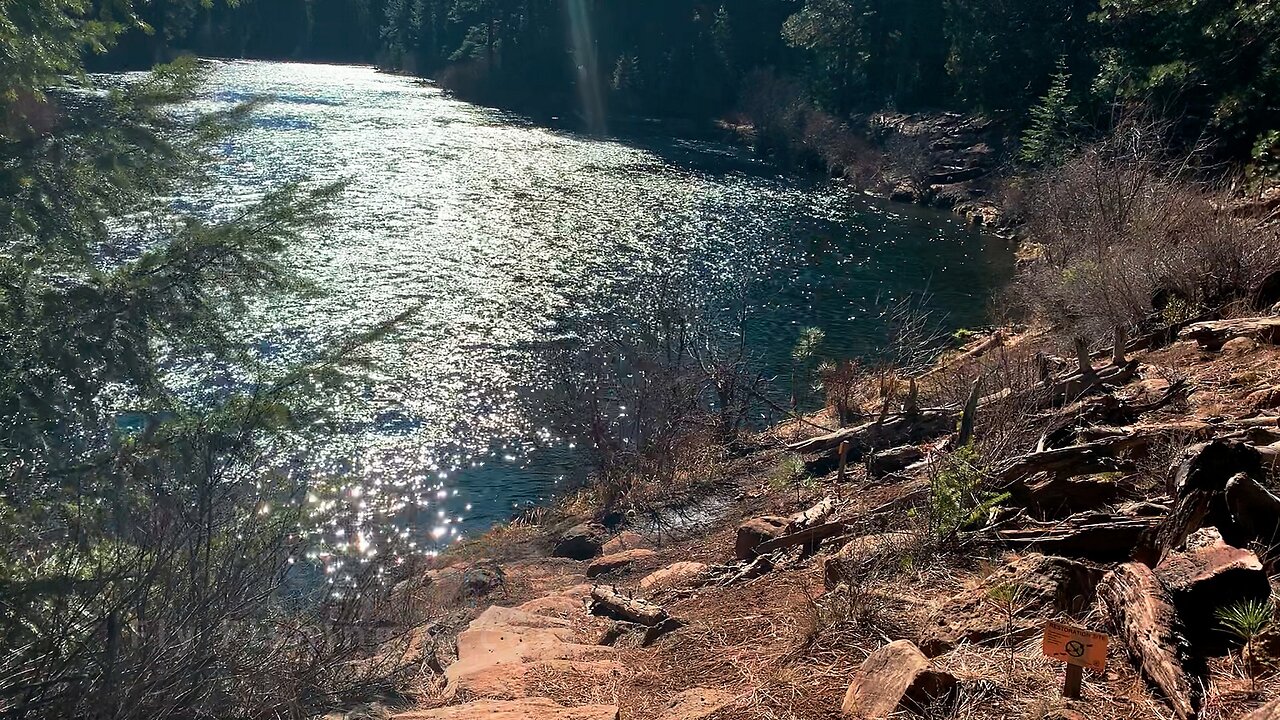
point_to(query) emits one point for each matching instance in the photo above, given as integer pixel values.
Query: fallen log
(901, 429)
(1050, 494)
(1255, 509)
(1212, 335)
(1148, 625)
(812, 516)
(606, 600)
(810, 538)
(995, 340)
(893, 460)
(1198, 482)
(1094, 536)
(1089, 458)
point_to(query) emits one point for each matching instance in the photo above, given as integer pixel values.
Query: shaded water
(507, 233)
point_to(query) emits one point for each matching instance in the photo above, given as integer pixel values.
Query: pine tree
(132, 525)
(1048, 138)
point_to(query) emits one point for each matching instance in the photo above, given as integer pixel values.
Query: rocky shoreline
(1145, 508)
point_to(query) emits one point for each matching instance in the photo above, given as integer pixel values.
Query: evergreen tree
(139, 526)
(1048, 137)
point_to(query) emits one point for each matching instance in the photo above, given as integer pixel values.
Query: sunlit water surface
(507, 233)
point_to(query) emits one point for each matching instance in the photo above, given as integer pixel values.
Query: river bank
(808, 596)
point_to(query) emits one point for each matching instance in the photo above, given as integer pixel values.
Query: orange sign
(1075, 646)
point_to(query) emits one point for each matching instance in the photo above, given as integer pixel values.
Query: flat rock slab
(554, 605)
(681, 574)
(512, 681)
(495, 649)
(897, 676)
(527, 709)
(626, 540)
(618, 561)
(503, 617)
(697, 704)
(1044, 585)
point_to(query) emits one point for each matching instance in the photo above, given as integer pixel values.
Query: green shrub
(957, 497)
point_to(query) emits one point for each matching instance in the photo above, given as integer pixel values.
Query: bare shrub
(1125, 236)
(913, 161)
(788, 125)
(656, 404)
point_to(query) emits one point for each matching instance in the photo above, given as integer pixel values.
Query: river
(506, 233)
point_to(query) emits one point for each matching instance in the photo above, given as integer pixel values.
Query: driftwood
(969, 416)
(809, 537)
(900, 429)
(1087, 381)
(1148, 625)
(608, 601)
(1214, 334)
(1095, 536)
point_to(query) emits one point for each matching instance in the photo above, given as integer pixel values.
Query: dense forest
(1212, 66)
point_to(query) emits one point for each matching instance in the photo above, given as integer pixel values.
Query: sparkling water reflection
(504, 230)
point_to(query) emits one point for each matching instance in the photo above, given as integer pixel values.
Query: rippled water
(505, 232)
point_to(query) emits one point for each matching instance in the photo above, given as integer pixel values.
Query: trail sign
(1079, 649)
(1075, 646)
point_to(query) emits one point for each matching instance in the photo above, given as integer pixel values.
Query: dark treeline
(1210, 65)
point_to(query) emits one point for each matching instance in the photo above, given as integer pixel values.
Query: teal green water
(507, 233)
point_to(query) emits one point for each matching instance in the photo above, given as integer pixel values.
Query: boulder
(1045, 585)
(697, 704)
(482, 578)
(618, 561)
(681, 574)
(1239, 346)
(759, 530)
(1209, 575)
(625, 540)
(896, 676)
(1263, 655)
(581, 542)
(526, 709)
